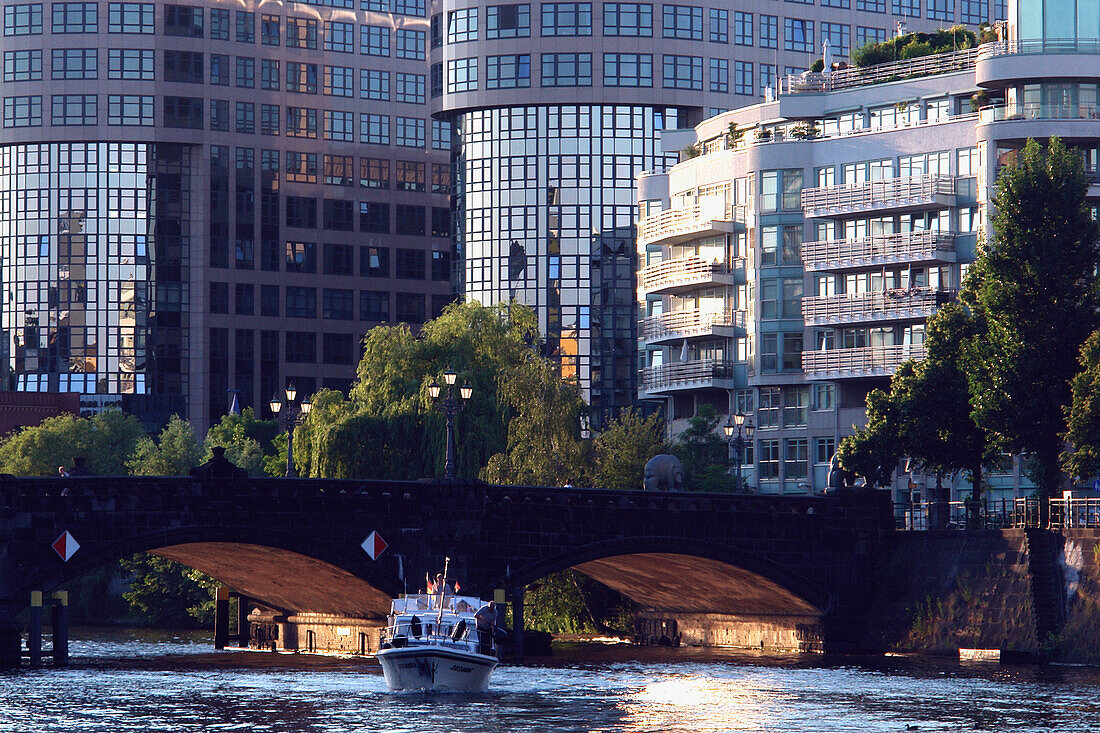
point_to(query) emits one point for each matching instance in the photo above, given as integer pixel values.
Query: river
(140, 681)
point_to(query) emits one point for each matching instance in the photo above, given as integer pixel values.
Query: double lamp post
(450, 406)
(290, 416)
(739, 434)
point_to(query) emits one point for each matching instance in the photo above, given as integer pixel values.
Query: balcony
(894, 194)
(886, 249)
(869, 361)
(685, 273)
(691, 323)
(1004, 62)
(689, 375)
(852, 77)
(891, 305)
(680, 225)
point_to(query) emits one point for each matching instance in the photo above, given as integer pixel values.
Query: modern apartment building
(558, 106)
(791, 266)
(210, 196)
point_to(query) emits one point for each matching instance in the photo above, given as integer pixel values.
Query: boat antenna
(442, 586)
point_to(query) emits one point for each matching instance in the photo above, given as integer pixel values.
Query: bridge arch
(285, 570)
(677, 574)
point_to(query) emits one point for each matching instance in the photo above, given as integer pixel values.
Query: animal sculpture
(664, 471)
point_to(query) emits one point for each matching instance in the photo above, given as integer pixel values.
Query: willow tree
(1039, 299)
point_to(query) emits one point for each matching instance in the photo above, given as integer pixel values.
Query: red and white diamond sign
(65, 546)
(374, 545)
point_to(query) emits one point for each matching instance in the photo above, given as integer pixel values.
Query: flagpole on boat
(442, 588)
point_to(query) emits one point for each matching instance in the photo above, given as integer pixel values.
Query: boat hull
(434, 668)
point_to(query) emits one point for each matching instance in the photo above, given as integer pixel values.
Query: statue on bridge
(664, 471)
(839, 478)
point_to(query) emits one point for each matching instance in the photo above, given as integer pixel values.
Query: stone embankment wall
(1079, 640)
(939, 591)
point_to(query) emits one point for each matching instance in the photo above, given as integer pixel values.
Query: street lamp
(289, 419)
(450, 406)
(739, 434)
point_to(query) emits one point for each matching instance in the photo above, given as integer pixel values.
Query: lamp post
(450, 406)
(739, 434)
(289, 418)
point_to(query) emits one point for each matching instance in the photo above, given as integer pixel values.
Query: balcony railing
(1020, 513)
(869, 361)
(1033, 111)
(689, 220)
(816, 83)
(686, 374)
(877, 250)
(687, 323)
(928, 191)
(684, 272)
(1039, 46)
(894, 304)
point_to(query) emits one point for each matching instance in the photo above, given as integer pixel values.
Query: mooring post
(34, 629)
(11, 635)
(244, 635)
(517, 620)
(60, 628)
(221, 617)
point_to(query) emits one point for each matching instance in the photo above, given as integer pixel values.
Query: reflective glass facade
(544, 210)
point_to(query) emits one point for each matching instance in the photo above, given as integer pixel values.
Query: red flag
(457, 586)
(430, 587)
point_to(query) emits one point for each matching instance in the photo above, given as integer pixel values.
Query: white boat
(432, 642)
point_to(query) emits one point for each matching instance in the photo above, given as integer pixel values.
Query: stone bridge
(799, 564)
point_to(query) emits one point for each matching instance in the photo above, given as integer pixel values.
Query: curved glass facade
(545, 208)
(1056, 20)
(82, 310)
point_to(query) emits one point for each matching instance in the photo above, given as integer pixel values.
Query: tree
(246, 439)
(168, 593)
(105, 441)
(1083, 414)
(874, 450)
(174, 453)
(620, 452)
(1036, 288)
(705, 455)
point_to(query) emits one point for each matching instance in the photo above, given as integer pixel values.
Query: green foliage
(174, 453)
(105, 441)
(874, 450)
(734, 134)
(704, 454)
(167, 593)
(572, 603)
(621, 451)
(914, 45)
(1036, 290)
(805, 131)
(246, 439)
(691, 151)
(1083, 415)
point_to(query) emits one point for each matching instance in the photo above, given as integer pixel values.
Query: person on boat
(486, 620)
(440, 584)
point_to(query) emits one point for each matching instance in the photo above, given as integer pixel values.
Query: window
(825, 397)
(410, 44)
(410, 175)
(441, 266)
(742, 28)
(462, 25)
(374, 218)
(301, 33)
(781, 190)
(719, 25)
(269, 302)
(339, 348)
(77, 63)
(130, 18)
(683, 21)
(683, 72)
(769, 31)
(824, 448)
(23, 111)
(462, 75)
(873, 6)
(410, 88)
(374, 40)
(301, 122)
(130, 110)
(23, 20)
(339, 215)
(409, 132)
(269, 74)
(869, 35)
(374, 84)
(846, 4)
(720, 75)
(796, 458)
(74, 109)
(374, 173)
(180, 20)
(441, 226)
(301, 212)
(628, 69)
(339, 126)
(910, 8)
(410, 307)
(566, 19)
(219, 115)
(409, 7)
(246, 72)
(23, 65)
(792, 353)
(374, 306)
(441, 135)
(301, 167)
(767, 466)
(246, 27)
(508, 21)
(339, 81)
(742, 78)
(269, 119)
(769, 350)
(566, 69)
(410, 264)
(339, 259)
(839, 36)
(301, 78)
(244, 299)
(410, 219)
(246, 117)
(75, 18)
(972, 12)
(340, 37)
(507, 72)
(941, 10)
(219, 24)
(769, 298)
(374, 262)
(628, 19)
(798, 35)
(374, 129)
(219, 297)
(269, 30)
(339, 170)
(301, 346)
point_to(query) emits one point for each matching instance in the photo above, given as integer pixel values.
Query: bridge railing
(1023, 513)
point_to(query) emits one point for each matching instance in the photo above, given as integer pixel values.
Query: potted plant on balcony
(805, 131)
(763, 134)
(734, 135)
